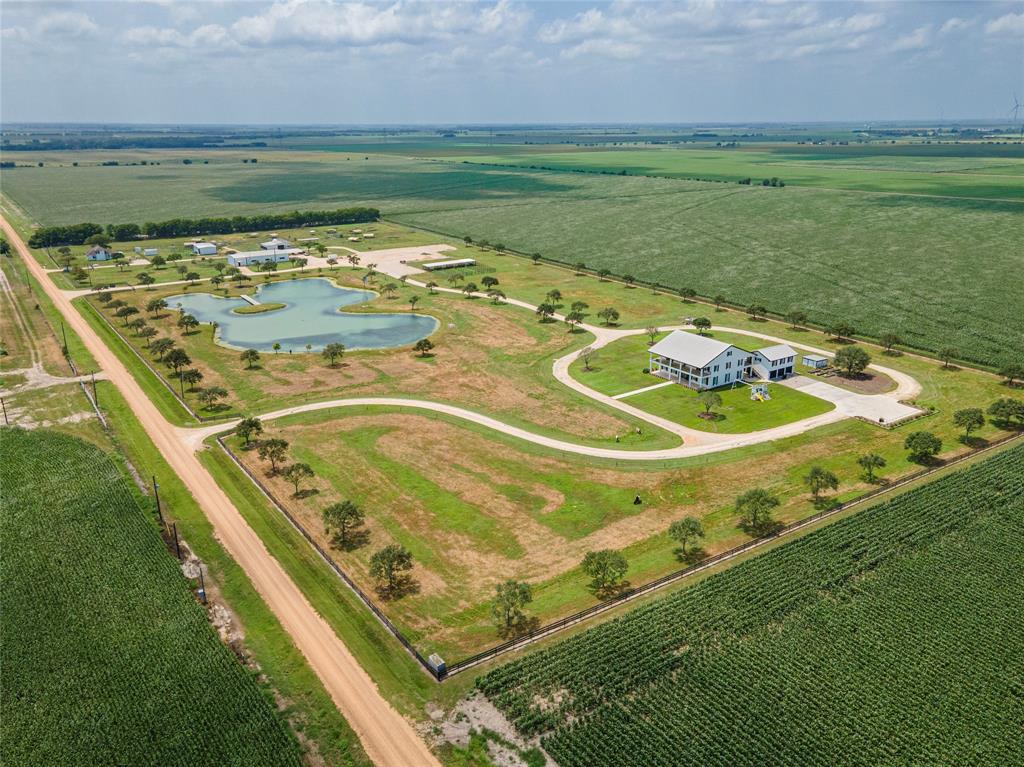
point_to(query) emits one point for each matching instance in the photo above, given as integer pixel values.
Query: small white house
(99, 253)
(699, 362)
(204, 249)
(275, 244)
(254, 257)
(774, 362)
(815, 361)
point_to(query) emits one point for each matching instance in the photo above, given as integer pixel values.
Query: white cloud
(60, 25)
(1010, 25)
(917, 40)
(955, 24)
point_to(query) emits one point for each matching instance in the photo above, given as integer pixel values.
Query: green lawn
(737, 413)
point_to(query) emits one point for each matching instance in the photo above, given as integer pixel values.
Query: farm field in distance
(892, 632)
(105, 645)
(830, 252)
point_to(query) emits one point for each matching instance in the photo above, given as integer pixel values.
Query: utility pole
(177, 548)
(95, 397)
(202, 585)
(4, 406)
(64, 336)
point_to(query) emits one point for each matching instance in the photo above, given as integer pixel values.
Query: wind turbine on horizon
(1015, 111)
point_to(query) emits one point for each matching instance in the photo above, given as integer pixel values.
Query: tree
(388, 564)
(332, 352)
(840, 329)
(819, 479)
(389, 289)
(248, 428)
(923, 446)
(719, 300)
(602, 274)
(535, 258)
(1012, 372)
(352, 259)
(684, 530)
(155, 306)
(423, 347)
(509, 599)
(606, 567)
(757, 311)
(413, 300)
(187, 323)
(652, 333)
(969, 419)
(432, 287)
(947, 354)
(587, 354)
(1005, 410)
(496, 296)
(545, 311)
(889, 341)
(488, 281)
(273, 450)
(455, 279)
(702, 324)
(609, 315)
(216, 280)
(160, 347)
(211, 396)
(754, 508)
(871, 462)
(105, 297)
(250, 357)
(687, 294)
(101, 239)
(158, 261)
(554, 296)
(580, 307)
(137, 324)
(147, 332)
(852, 360)
(572, 319)
(144, 278)
(176, 359)
(710, 400)
(341, 521)
(469, 289)
(192, 377)
(629, 279)
(796, 318)
(579, 267)
(296, 473)
(124, 312)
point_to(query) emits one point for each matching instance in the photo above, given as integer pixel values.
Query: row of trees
(164, 349)
(77, 234)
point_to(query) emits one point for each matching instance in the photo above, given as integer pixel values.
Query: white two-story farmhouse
(704, 363)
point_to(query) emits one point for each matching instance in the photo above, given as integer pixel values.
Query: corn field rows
(892, 637)
(108, 659)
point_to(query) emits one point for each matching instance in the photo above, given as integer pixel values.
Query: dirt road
(388, 738)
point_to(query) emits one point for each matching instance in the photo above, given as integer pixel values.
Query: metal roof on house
(777, 352)
(696, 351)
(815, 358)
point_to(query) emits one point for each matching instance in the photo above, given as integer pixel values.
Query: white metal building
(253, 257)
(204, 249)
(275, 244)
(774, 362)
(451, 263)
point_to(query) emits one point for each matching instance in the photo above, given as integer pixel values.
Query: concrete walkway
(873, 407)
(652, 387)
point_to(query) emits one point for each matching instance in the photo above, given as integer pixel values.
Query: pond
(311, 315)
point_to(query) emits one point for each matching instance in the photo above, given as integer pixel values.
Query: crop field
(952, 175)
(104, 645)
(893, 636)
(910, 263)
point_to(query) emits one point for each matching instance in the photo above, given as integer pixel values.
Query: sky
(333, 62)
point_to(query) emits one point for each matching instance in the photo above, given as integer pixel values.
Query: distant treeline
(128, 142)
(77, 234)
